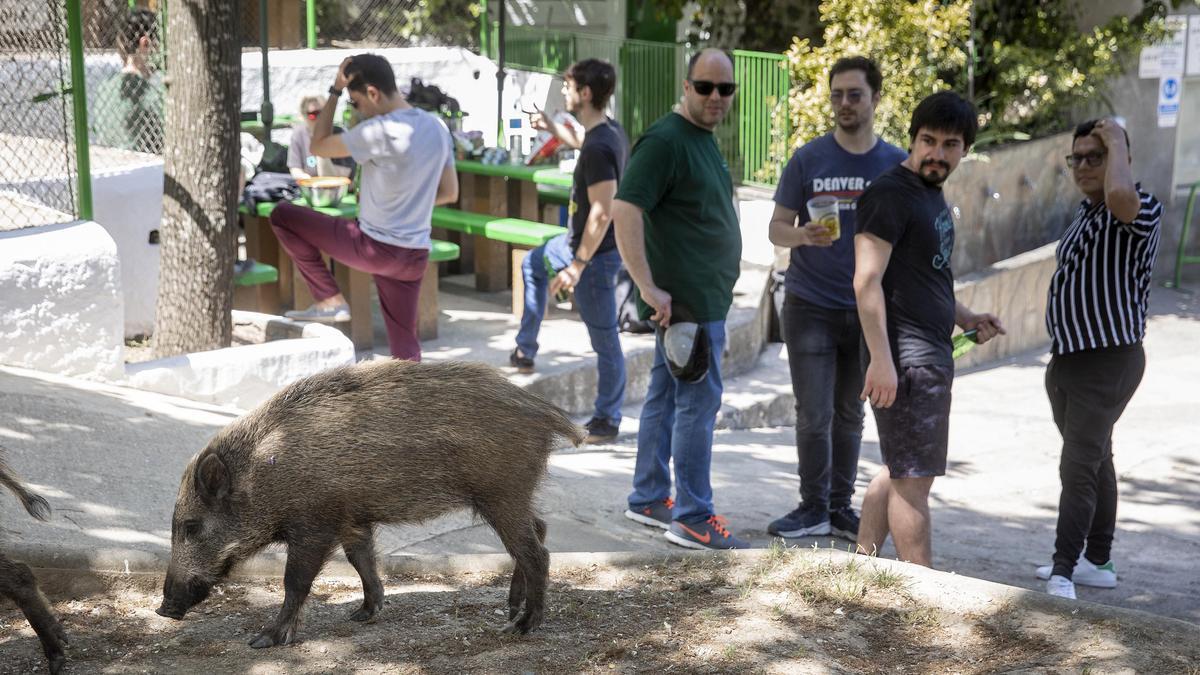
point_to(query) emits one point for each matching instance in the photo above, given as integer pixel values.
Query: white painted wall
(60, 300)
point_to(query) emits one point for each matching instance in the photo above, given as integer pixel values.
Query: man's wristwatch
(335, 92)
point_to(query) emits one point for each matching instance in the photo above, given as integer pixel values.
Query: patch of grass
(887, 580)
(922, 617)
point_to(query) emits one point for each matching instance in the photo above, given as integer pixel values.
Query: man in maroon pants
(407, 168)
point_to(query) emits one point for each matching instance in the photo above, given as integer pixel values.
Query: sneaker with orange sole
(708, 535)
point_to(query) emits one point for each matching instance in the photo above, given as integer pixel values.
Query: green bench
(493, 237)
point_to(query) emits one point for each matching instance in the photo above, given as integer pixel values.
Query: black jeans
(825, 358)
(1088, 392)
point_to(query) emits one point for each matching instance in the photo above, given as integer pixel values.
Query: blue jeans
(677, 425)
(595, 296)
(825, 358)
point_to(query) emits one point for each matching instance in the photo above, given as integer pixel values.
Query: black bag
(627, 310)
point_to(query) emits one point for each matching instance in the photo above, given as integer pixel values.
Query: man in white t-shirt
(407, 168)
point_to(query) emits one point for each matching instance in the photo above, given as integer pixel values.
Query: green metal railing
(762, 115)
(649, 77)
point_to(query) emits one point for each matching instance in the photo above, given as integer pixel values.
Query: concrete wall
(1010, 200)
(60, 300)
(1016, 291)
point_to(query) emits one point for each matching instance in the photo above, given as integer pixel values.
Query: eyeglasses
(312, 114)
(705, 87)
(853, 97)
(1093, 159)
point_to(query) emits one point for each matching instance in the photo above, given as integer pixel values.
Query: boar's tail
(34, 504)
(555, 418)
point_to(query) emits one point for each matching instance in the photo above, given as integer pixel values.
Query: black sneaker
(600, 430)
(844, 523)
(522, 363)
(804, 521)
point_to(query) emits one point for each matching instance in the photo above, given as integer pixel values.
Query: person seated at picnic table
(407, 167)
(301, 162)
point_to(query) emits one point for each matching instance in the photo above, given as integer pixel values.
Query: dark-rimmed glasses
(705, 87)
(1093, 159)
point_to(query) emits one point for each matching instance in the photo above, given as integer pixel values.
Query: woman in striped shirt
(1096, 316)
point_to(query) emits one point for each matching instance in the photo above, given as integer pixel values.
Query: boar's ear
(212, 479)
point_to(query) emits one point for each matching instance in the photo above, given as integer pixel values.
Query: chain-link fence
(125, 92)
(357, 24)
(37, 145)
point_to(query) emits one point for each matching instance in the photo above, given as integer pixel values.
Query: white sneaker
(1061, 586)
(1087, 573)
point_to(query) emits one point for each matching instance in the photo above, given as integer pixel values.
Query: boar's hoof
(272, 637)
(56, 663)
(364, 613)
(525, 623)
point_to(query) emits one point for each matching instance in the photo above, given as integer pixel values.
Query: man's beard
(849, 127)
(933, 182)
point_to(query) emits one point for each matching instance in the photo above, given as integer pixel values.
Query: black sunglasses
(705, 87)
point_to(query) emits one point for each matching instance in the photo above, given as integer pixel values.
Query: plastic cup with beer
(823, 210)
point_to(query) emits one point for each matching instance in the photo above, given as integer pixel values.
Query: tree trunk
(200, 166)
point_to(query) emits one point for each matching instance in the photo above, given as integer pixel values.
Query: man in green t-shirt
(678, 234)
(128, 107)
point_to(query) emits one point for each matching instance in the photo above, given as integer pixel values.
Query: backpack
(627, 310)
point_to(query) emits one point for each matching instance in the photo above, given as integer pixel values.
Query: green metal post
(311, 19)
(484, 47)
(266, 113)
(1181, 257)
(83, 161)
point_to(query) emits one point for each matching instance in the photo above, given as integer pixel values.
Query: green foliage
(402, 24)
(1034, 64)
(919, 45)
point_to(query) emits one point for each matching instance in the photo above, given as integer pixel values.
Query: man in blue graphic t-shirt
(820, 319)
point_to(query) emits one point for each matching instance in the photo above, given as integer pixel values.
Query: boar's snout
(180, 596)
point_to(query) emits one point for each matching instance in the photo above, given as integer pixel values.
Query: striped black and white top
(1101, 288)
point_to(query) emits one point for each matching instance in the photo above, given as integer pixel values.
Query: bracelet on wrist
(335, 92)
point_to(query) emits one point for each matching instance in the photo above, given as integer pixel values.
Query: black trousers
(1088, 392)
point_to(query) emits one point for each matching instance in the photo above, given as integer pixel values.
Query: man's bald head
(709, 88)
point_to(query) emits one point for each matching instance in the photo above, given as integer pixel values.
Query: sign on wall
(1168, 101)
(1166, 57)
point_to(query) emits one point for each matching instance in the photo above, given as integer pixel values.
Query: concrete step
(478, 327)
(756, 398)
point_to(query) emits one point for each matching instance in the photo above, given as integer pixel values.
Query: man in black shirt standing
(1096, 315)
(905, 292)
(585, 259)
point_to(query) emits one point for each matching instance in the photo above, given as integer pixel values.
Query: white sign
(1193, 45)
(1166, 57)
(1168, 101)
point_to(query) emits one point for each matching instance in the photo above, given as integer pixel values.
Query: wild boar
(17, 582)
(329, 457)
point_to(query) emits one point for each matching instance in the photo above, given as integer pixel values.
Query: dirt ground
(784, 612)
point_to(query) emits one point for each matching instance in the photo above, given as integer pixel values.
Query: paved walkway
(109, 460)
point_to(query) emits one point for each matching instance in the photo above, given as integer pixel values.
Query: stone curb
(970, 594)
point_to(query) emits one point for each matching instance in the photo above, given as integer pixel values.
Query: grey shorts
(914, 434)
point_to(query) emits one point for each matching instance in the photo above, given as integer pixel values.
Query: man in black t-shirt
(584, 259)
(905, 293)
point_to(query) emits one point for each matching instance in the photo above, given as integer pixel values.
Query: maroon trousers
(397, 271)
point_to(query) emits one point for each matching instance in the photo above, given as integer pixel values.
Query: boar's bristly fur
(332, 455)
(18, 584)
